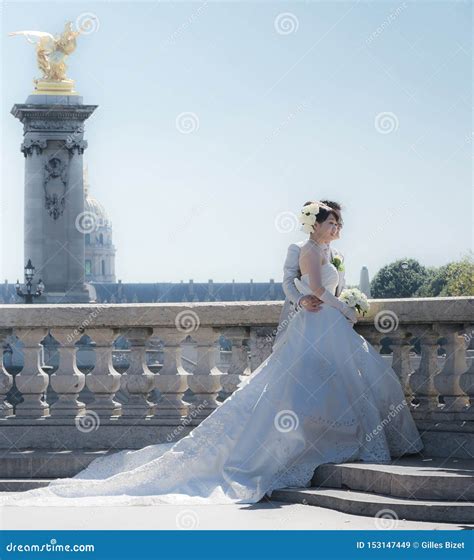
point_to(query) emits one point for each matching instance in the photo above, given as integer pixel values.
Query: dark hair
(323, 214)
(332, 204)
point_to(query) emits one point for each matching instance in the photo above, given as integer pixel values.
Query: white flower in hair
(312, 208)
(308, 215)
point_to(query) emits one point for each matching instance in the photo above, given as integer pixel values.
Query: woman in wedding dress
(324, 395)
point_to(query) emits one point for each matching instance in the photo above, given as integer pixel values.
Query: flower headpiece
(309, 213)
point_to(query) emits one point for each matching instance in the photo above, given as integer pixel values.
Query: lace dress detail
(324, 395)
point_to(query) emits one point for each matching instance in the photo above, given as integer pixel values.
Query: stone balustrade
(110, 406)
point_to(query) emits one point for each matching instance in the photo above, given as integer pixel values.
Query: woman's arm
(310, 263)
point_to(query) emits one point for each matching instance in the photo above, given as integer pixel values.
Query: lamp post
(29, 274)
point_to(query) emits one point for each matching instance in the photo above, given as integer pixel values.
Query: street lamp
(29, 274)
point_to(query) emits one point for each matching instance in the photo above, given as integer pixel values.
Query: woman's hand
(310, 303)
(351, 314)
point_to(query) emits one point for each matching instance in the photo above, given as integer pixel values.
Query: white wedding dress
(324, 395)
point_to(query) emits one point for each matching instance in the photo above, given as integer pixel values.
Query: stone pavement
(261, 516)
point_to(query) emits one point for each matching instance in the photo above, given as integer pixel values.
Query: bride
(324, 395)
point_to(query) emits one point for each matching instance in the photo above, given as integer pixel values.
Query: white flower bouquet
(355, 298)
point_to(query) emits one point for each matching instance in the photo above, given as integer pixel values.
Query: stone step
(22, 484)
(408, 477)
(377, 505)
(45, 464)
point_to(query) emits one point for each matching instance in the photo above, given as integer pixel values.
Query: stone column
(373, 336)
(172, 381)
(68, 381)
(6, 380)
(205, 382)
(32, 381)
(239, 367)
(138, 378)
(103, 380)
(447, 381)
(401, 364)
(32, 149)
(422, 380)
(466, 382)
(55, 223)
(260, 342)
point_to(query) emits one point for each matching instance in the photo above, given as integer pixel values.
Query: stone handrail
(68, 407)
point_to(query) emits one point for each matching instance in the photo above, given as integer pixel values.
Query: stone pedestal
(53, 147)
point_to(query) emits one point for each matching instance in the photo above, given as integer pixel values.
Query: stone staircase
(27, 469)
(411, 488)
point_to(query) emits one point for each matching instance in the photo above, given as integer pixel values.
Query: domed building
(100, 251)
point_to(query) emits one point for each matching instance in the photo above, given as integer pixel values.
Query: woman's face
(340, 223)
(328, 230)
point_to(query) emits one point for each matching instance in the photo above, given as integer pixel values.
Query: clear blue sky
(283, 117)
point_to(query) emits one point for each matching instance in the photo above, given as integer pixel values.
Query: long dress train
(324, 395)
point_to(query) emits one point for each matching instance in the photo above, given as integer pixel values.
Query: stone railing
(127, 398)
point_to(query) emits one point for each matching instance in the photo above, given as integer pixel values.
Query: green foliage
(400, 279)
(459, 278)
(434, 283)
(407, 278)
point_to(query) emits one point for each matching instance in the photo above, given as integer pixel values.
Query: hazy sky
(365, 103)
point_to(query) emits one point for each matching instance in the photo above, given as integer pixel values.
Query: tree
(400, 279)
(452, 279)
(434, 283)
(460, 278)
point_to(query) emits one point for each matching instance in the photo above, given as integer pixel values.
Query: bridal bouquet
(355, 298)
